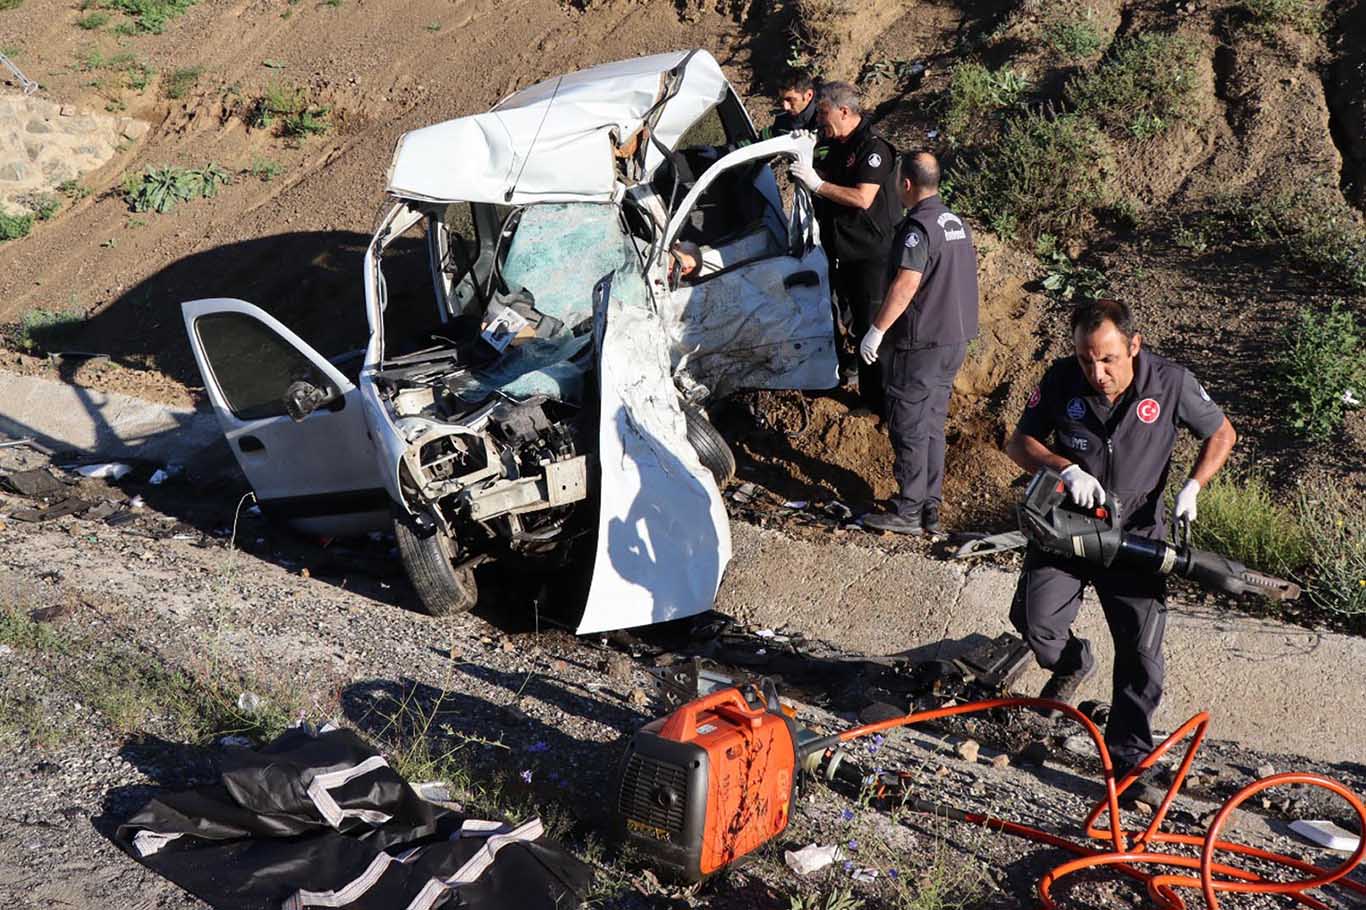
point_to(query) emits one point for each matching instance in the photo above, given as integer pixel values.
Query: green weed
(146, 16)
(180, 81)
(1075, 39)
(836, 899)
(161, 189)
(44, 205)
(264, 169)
(1322, 367)
(290, 108)
(12, 227)
(433, 26)
(92, 21)
(1065, 280)
(1142, 88)
(1245, 521)
(977, 96)
(1046, 174)
(1316, 228)
(1267, 17)
(24, 634)
(8, 5)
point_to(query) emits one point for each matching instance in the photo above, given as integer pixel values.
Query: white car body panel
(554, 141)
(663, 535)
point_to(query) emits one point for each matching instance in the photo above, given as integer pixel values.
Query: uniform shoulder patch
(912, 239)
(1148, 410)
(874, 160)
(1034, 398)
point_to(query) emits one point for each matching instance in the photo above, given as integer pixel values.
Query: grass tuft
(147, 16)
(1267, 17)
(92, 21)
(180, 81)
(289, 108)
(12, 227)
(1245, 521)
(1075, 39)
(1142, 88)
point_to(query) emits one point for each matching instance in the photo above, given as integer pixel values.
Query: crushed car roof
(553, 141)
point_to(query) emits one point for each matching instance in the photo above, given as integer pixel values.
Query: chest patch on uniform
(1076, 409)
(1079, 443)
(874, 159)
(912, 240)
(1148, 410)
(952, 227)
(1034, 397)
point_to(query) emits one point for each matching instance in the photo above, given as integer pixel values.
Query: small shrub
(1142, 87)
(1337, 550)
(311, 121)
(290, 107)
(42, 329)
(12, 227)
(976, 96)
(44, 205)
(1322, 367)
(1266, 17)
(73, 190)
(1075, 38)
(180, 81)
(92, 21)
(1317, 229)
(161, 189)
(1045, 174)
(1246, 522)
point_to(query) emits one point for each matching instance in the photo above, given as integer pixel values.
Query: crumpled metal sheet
(663, 534)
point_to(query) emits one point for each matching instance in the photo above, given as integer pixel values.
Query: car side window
(739, 218)
(252, 364)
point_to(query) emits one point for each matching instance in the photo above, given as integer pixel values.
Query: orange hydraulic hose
(1126, 850)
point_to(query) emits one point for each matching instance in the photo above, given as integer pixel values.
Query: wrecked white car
(557, 400)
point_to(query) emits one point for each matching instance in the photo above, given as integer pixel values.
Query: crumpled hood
(553, 141)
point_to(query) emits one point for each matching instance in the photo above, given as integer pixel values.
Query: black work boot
(1150, 789)
(929, 519)
(1064, 687)
(892, 521)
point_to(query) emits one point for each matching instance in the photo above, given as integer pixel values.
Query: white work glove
(1084, 489)
(1185, 501)
(872, 340)
(806, 175)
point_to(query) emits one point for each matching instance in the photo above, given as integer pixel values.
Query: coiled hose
(1127, 850)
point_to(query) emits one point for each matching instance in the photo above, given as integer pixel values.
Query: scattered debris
(1265, 770)
(1001, 762)
(11, 443)
(249, 702)
(1080, 744)
(1326, 834)
(233, 739)
(34, 483)
(812, 858)
(71, 506)
(110, 470)
(968, 750)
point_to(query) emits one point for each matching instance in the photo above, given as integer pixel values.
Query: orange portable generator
(710, 782)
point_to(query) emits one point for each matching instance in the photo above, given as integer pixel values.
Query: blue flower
(853, 845)
(526, 777)
(847, 815)
(538, 746)
(848, 865)
(891, 873)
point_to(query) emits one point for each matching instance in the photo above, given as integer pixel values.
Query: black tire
(711, 448)
(429, 557)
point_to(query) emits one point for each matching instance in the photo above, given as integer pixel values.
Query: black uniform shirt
(849, 233)
(1126, 445)
(913, 254)
(785, 123)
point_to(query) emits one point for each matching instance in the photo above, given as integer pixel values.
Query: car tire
(711, 448)
(429, 557)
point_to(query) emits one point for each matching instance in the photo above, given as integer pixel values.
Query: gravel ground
(84, 598)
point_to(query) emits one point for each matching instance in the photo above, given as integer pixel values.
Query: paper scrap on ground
(812, 857)
(1326, 834)
(109, 471)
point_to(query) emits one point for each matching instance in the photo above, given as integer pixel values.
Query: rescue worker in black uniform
(797, 97)
(1113, 412)
(921, 334)
(853, 184)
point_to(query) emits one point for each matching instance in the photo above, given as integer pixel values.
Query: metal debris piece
(34, 483)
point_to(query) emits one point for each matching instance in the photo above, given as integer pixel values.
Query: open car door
(318, 473)
(757, 312)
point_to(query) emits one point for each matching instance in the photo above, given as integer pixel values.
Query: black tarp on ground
(323, 821)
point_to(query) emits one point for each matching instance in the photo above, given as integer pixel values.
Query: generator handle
(682, 724)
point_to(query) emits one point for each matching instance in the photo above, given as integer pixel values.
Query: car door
(320, 474)
(757, 314)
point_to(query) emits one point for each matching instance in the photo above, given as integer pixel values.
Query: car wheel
(429, 557)
(711, 448)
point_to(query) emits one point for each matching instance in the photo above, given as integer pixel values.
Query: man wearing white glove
(853, 190)
(920, 335)
(1112, 413)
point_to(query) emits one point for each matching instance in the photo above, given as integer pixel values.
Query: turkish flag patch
(1148, 410)
(1034, 397)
